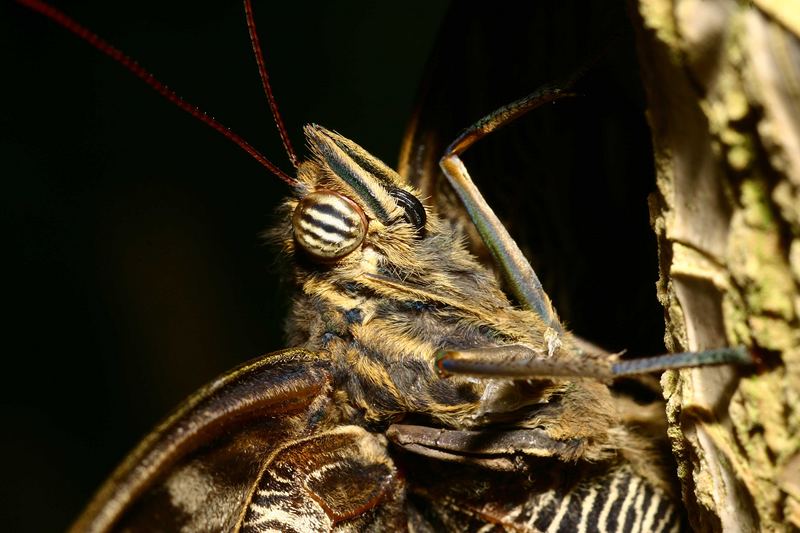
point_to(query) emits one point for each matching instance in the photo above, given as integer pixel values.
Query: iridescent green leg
(520, 275)
(518, 361)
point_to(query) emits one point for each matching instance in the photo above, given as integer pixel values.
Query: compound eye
(414, 211)
(328, 226)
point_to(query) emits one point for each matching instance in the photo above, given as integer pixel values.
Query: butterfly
(318, 138)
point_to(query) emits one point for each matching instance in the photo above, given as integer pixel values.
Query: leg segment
(520, 362)
(516, 268)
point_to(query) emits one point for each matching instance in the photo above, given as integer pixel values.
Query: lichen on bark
(722, 80)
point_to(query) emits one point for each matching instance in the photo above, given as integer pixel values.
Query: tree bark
(723, 85)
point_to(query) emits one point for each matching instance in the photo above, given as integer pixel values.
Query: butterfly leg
(493, 449)
(521, 362)
(521, 277)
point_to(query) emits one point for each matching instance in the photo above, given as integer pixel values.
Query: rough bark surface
(723, 85)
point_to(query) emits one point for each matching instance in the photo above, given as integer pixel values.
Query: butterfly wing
(221, 462)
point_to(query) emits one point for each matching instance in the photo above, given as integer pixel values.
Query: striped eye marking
(328, 225)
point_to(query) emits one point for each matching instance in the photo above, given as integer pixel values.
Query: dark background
(133, 264)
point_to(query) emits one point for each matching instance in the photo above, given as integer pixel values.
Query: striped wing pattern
(618, 502)
(624, 504)
(338, 480)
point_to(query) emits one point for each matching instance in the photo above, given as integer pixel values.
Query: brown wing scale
(343, 477)
(195, 471)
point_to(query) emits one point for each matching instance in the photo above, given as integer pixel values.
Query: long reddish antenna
(117, 55)
(262, 70)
